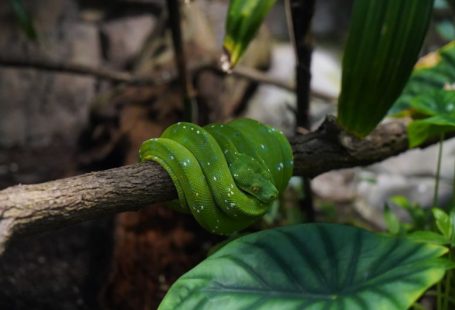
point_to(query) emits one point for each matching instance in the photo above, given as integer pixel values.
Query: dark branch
(127, 78)
(74, 68)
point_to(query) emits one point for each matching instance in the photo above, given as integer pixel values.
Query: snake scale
(226, 175)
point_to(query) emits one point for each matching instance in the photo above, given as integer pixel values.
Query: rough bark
(29, 209)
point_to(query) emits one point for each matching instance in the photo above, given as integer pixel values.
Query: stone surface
(411, 175)
(275, 106)
(37, 106)
(40, 106)
(41, 117)
(125, 37)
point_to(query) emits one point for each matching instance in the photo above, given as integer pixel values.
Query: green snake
(226, 175)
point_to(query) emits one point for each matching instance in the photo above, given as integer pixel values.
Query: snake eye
(255, 189)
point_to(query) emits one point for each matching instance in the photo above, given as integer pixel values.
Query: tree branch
(50, 65)
(115, 76)
(30, 209)
(258, 76)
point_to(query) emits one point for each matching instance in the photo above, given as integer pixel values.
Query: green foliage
(428, 97)
(242, 23)
(437, 230)
(312, 266)
(444, 230)
(391, 220)
(439, 108)
(384, 40)
(421, 219)
(431, 74)
(443, 223)
(432, 225)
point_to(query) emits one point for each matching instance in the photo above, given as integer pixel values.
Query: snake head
(262, 189)
(251, 177)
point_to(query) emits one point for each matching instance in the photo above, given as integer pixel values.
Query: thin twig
(258, 76)
(189, 102)
(301, 15)
(438, 174)
(49, 65)
(162, 78)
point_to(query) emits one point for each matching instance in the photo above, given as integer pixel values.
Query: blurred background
(55, 124)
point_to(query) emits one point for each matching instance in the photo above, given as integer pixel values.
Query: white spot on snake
(202, 207)
(221, 126)
(198, 132)
(263, 146)
(179, 123)
(208, 163)
(236, 175)
(232, 204)
(279, 166)
(291, 162)
(184, 127)
(197, 194)
(185, 164)
(214, 178)
(171, 157)
(192, 128)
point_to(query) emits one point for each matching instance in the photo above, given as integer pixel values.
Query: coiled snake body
(226, 175)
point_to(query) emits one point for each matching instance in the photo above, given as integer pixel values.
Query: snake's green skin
(225, 175)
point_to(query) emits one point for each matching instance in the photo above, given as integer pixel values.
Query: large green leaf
(311, 266)
(384, 41)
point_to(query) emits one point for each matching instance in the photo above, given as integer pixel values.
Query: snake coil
(228, 175)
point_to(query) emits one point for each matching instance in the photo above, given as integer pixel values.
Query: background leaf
(312, 266)
(429, 237)
(433, 72)
(391, 220)
(443, 222)
(384, 41)
(242, 23)
(439, 107)
(421, 130)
